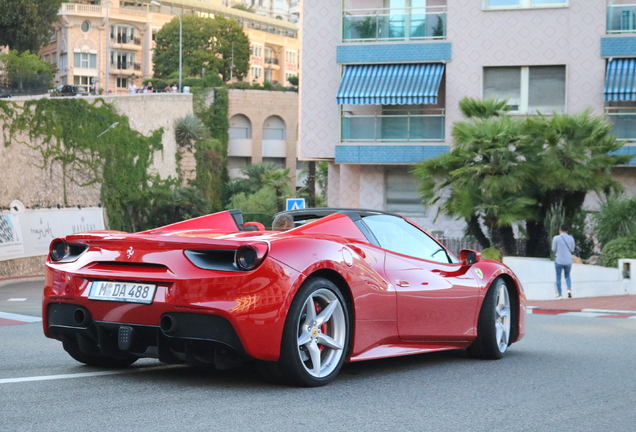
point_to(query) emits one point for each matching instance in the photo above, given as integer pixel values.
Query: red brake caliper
(324, 327)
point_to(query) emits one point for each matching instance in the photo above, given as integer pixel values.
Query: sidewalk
(611, 304)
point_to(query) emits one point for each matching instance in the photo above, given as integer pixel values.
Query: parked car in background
(69, 90)
(340, 285)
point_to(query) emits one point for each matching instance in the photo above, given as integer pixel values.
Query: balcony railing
(385, 24)
(394, 127)
(272, 60)
(126, 66)
(624, 121)
(123, 39)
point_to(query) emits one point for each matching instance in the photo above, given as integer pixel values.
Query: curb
(582, 312)
(12, 280)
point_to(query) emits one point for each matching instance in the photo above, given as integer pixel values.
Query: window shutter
(78, 60)
(93, 61)
(503, 82)
(546, 89)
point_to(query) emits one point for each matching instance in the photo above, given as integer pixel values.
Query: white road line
(85, 374)
(17, 299)
(17, 317)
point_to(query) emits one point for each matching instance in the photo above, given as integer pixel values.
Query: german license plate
(122, 292)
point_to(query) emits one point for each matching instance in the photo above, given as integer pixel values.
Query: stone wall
(25, 180)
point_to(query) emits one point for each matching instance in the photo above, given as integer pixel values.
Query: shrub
(492, 253)
(622, 247)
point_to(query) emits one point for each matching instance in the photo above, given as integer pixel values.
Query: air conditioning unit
(627, 20)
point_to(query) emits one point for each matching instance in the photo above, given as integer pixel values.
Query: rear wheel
(316, 335)
(493, 327)
(93, 360)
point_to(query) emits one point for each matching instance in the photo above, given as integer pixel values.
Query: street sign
(295, 203)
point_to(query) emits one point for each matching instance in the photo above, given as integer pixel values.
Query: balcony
(124, 68)
(125, 40)
(624, 121)
(621, 16)
(397, 125)
(394, 24)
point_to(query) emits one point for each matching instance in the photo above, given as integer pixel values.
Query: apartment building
(382, 79)
(108, 44)
(286, 10)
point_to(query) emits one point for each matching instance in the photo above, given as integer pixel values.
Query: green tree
(502, 171)
(279, 181)
(243, 7)
(483, 179)
(207, 43)
(189, 129)
(615, 218)
(234, 47)
(27, 67)
(574, 155)
(199, 47)
(26, 25)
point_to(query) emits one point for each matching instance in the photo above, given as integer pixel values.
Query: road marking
(86, 374)
(17, 317)
(17, 299)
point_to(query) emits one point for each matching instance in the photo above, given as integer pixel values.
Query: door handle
(403, 283)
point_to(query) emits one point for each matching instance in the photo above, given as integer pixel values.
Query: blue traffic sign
(295, 203)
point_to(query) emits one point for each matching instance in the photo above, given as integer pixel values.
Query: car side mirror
(469, 256)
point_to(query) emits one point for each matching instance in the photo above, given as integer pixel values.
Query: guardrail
(380, 24)
(393, 127)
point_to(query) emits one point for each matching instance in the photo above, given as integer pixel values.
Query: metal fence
(455, 244)
(24, 84)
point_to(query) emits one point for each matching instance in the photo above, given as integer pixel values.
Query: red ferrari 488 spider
(342, 285)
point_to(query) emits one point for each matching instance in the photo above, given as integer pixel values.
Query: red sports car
(341, 285)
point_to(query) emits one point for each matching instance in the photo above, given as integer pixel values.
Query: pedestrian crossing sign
(295, 203)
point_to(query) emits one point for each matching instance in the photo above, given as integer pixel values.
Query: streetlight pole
(156, 3)
(107, 48)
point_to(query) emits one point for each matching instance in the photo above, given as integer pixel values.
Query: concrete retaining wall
(538, 277)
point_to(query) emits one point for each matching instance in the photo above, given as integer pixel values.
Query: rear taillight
(60, 251)
(250, 256)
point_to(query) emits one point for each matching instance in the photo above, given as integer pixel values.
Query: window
(85, 60)
(397, 235)
(290, 57)
(122, 83)
(86, 26)
(530, 89)
(521, 4)
(256, 72)
(401, 192)
(53, 58)
(122, 60)
(124, 34)
(63, 61)
(257, 50)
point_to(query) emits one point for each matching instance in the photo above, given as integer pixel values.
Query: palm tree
(189, 129)
(484, 179)
(576, 153)
(279, 181)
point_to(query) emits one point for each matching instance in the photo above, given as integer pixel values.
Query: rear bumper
(180, 338)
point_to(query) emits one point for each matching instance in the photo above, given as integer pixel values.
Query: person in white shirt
(132, 88)
(563, 247)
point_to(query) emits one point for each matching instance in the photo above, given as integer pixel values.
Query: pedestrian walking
(563, 247)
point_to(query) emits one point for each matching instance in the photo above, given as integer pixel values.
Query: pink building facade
(545, 55)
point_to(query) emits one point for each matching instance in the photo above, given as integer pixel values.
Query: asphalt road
(568, 374)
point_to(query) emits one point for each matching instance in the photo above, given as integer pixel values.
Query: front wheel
(493, 327)
(316, 335)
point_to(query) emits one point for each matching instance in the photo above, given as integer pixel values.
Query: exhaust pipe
(81, 317)
(168, 324)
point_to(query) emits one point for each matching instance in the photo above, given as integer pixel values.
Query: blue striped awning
(620, 81)
(390, 84)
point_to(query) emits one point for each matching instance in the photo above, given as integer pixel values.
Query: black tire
(494, 325)
(107, 362)
(318, 337)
